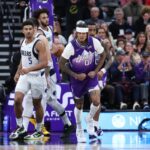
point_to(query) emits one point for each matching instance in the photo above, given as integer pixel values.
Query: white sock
(38, 127)
(19, 122)
(44, 105)
(96, 123)
(93, 110)
(78, 115)
(25, 123)
(65, 119)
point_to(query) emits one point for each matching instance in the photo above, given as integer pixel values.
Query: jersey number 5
(30, 60)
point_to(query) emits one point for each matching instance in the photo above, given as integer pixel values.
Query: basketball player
(79, 54)
(33, 59)
(27, 103)
(42, 15)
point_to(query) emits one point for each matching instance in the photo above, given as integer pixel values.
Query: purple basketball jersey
(83, 61)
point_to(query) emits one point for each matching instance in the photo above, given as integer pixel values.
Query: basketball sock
(93, 110)
(19, 122)
(26, 122)
(96, 124)
(39, 127)
(65, 119)
(78, 115)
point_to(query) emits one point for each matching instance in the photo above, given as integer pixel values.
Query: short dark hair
(27, 22)
(38, 12)
(81, 24)
(34, 20)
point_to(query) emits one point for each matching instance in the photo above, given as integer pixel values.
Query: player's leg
(20, 90)
(78, 116)
(94, 108)
(52, 101)
(27, 110)
(37, 88)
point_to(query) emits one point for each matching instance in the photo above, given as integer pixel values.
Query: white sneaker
(123, 105)
(90, 124)
(136, 106)
(90, 127)
(80, 136)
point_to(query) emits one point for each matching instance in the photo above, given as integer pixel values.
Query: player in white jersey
(52, 99)
(28, 77)
(42, 15)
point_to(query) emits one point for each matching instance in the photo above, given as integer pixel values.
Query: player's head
(81, 31)
(28, 28)
(42, 15)
(35, 22)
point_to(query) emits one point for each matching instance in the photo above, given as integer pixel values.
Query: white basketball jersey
(48, 34)
(29, 55)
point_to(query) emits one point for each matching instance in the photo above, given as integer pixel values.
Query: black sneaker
(67, 131)
(35, 136)
(19, 133)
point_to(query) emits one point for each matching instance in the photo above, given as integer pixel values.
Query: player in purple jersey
(78, 61)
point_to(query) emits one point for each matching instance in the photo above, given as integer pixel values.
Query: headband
(82, 30)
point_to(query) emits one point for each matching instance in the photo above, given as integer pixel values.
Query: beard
(44, 24)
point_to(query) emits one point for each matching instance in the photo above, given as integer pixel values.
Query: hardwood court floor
(108, 141)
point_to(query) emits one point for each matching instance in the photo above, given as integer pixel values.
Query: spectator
(94, 17)
(129, 36)
(22, 4)
(108, 7)
(92, 29)
(105, 26)
(135, 57)
(120, 43)
(142, 74)
(102, 34)
(118, 26)
(147, 32)
(73, 14)
(140, 43)
(144, 19)
(87, 8)
(132, 11)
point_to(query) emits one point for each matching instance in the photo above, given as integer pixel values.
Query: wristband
(103, 70)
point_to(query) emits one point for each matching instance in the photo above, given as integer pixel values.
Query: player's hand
(80, 76)
(100, 75)
(16, 77)
(92, 74)
(24, 71)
